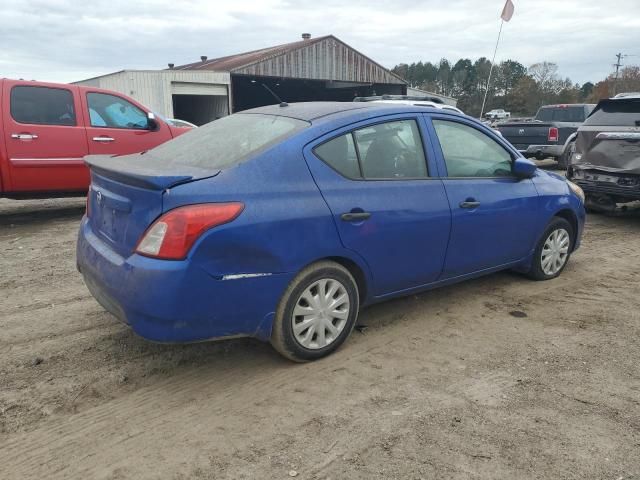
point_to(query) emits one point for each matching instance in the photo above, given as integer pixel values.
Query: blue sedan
(282, 222)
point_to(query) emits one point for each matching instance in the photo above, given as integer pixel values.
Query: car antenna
(282, 104)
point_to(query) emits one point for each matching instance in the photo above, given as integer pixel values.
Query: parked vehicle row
(46, 129)
(548, 133)
(606, 160)
(281, 222)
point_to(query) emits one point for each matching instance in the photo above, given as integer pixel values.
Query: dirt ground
(499, 377)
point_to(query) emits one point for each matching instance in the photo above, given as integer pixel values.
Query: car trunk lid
(125, 197)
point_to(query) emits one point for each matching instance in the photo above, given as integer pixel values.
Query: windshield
(561, 114)
(223, 142)
(625, 113)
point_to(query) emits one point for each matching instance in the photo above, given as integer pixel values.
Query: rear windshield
(223, 142)
(561, 114)
(624, 113)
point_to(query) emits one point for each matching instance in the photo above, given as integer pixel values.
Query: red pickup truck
(46, 129)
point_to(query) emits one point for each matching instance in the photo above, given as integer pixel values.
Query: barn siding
(328, 59)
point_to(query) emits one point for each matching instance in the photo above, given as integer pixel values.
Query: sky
(69, 40)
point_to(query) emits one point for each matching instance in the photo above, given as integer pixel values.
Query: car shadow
(21, 212)
(248, 353)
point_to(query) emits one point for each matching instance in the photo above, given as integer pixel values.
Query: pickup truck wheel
(553, 250)
(317, 312)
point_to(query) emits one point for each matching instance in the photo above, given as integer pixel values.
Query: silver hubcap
(320, 314)
(555, 251)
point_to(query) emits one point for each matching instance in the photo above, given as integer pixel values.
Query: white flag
(507, 11)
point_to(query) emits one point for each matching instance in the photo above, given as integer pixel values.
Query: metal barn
(323, 68)
(312, 69)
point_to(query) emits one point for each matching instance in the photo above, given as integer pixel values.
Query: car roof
(566, 105)
(312, 111)
(627, 95)
(419, 103)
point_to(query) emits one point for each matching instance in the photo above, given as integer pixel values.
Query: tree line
(514, 87)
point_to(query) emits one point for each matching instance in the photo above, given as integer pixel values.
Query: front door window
(468, 152)
(111, 111)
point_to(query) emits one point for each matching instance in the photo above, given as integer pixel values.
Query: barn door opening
(199, 103)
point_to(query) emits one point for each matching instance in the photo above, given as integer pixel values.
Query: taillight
(172, 235)
(553, 134)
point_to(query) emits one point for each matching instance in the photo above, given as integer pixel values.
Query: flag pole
(493, 61)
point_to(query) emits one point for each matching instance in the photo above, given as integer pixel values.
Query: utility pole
(618, 64)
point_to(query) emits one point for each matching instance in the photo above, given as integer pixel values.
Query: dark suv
(606, 161)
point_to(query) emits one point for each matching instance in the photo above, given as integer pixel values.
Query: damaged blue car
(282, 222)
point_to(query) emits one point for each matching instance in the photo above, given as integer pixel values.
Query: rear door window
(42, 105)
(385, 151)
(340, 154)
(624, 113)
(391, 150)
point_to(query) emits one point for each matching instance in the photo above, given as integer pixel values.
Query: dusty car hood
(609, 148)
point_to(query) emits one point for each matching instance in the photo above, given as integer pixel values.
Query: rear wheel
(553, 250)
(316, 313)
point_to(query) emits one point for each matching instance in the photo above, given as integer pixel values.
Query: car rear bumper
(177, 301)
(540, 151)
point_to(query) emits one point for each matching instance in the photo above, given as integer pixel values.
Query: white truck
(497, 114)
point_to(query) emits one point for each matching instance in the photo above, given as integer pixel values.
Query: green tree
(513, 87)
(444, 76)
(585, 90)
(508, 74)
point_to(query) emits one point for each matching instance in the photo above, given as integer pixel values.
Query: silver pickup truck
(547, 134)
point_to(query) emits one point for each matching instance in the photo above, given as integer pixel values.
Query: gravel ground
(498, 377)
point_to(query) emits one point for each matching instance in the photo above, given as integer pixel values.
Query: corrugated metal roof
(239, 60)
(322, 58)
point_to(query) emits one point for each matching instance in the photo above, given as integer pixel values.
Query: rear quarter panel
(285, 224)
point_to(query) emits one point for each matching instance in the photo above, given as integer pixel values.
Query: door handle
(103, 139)
(24, 136)
(470, 203)
(355, 216)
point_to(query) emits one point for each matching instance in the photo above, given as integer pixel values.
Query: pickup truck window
(470, 153)
(562, 114)
(42, 105)
(111, 111)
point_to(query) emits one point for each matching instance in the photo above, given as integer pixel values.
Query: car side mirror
(523, 168)
(152, 122)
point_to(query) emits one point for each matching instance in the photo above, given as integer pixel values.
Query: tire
(289, 335)
(540, 270)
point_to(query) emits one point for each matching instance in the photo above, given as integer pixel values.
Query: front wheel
(316, 313)
(553, 250)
